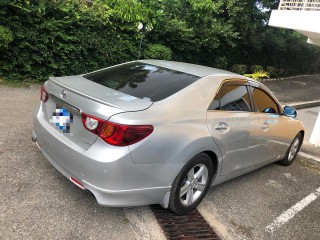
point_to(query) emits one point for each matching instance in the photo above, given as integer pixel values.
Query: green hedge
(39, 38)
(59, 38)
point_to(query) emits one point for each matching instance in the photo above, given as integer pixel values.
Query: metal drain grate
(189, 226)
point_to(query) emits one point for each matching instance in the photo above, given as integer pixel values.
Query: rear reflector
(77, 182)
(114, 133)
(43, 94)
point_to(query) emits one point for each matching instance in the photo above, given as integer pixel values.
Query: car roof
(193, 69)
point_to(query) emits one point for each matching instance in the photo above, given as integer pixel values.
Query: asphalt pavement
(38, 202)
(296, 89)
(244, 208)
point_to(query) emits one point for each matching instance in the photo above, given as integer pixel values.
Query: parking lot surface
(37, 202)
(247, 205)
(296, 89)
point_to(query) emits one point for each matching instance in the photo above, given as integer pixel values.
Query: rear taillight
(43, 94)
(116, 134)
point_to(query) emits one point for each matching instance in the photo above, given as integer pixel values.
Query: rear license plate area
(64, 115)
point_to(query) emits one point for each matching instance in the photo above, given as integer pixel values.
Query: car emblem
(63, 94)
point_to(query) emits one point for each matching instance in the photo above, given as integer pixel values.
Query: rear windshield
(142, 80)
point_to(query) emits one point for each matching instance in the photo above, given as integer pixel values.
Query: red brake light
(116, 134)
(43, 94)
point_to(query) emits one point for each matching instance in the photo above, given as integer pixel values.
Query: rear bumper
(117, 198)
(104, 170)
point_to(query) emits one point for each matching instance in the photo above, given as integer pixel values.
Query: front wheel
(292, 151)
(191, 184)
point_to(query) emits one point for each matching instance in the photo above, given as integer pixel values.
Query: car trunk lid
(70, 96)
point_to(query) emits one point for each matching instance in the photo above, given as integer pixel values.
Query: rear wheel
(191, 184)
(292, 151)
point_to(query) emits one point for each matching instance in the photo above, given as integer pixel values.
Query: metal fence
(302, 5)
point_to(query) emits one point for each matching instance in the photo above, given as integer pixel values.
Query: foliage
(39, 38)
(256, 68)
(258, 75)
(5, 37)
(239, 68)
(273, 72)
(158, 51)
(61, 38)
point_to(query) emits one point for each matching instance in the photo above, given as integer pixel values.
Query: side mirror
(290, 112)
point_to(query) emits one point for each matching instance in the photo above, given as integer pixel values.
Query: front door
(274, 130)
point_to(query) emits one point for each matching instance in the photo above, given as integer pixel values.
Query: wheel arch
(214, 159)
(302, 136)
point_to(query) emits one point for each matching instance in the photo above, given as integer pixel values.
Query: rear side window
(231, 98)
(264, 103)
(142, 80)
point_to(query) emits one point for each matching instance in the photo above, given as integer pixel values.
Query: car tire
(292, 151)
(191, 184)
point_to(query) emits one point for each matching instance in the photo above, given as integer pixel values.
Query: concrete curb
(301, 105)
(308, 156)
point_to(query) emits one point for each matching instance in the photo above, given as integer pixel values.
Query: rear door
(234, 126)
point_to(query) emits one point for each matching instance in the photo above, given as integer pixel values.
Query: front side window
(264, 103)
(232, 98)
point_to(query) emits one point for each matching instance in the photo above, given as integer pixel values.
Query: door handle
(221, 127)
(265, 126)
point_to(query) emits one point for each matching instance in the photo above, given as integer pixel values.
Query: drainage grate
(189, 226)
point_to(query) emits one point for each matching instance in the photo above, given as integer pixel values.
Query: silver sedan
(161, 132)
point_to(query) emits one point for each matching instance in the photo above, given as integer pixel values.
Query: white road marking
(291, 212)
(306, 155)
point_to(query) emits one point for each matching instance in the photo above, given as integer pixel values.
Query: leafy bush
(5, 37)
(273, 72)
(62, 38)
(39, 38)
(256, 68)
(258, 75)
(221, 62)
(281, 72)
(239, 68)
(158, 51)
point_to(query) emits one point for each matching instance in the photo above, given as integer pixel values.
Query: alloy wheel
(294, 149)
(194, 184)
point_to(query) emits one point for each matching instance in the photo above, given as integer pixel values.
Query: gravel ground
(37, 202)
